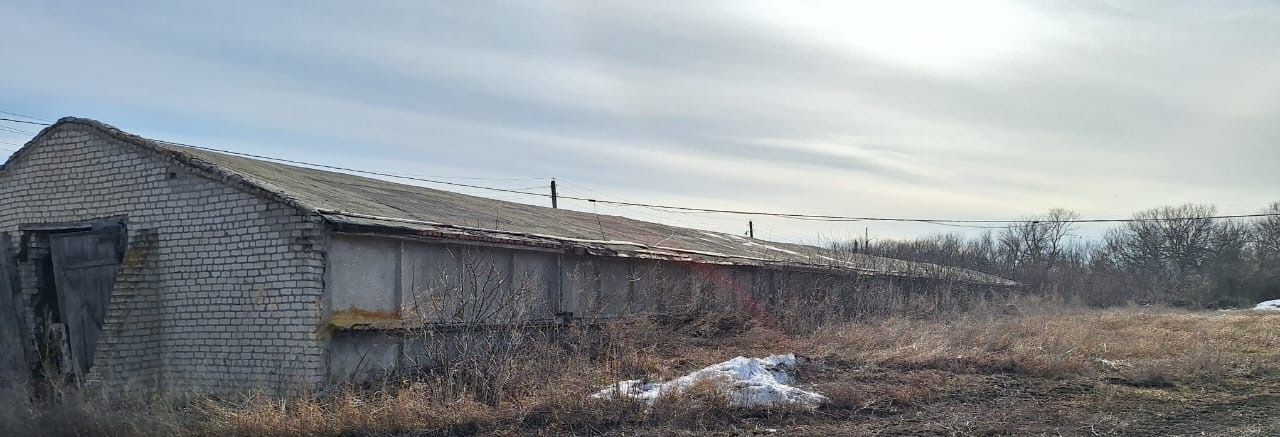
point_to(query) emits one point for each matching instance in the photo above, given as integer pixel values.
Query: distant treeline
(1171, 255)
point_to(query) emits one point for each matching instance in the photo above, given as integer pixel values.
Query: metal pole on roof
(751, 229)
(554, 199)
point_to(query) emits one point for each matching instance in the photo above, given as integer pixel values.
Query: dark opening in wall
(72, 268)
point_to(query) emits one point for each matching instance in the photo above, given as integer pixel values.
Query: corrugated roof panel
(359, 201)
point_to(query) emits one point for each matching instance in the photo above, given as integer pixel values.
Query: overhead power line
(24, 121)
(812, 217)
(25, 116)
(816, 217)
(15, 131)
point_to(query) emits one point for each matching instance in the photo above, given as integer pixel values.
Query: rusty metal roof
(363, 204)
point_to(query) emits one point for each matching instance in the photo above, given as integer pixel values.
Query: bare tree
(1266, 233)
(1178, 255)
(1177, 239)
(1031, 247)
(1167, 251)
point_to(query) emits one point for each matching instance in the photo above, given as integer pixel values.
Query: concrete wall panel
(615, 292)
(359, 356)
(452, 294)
(535, 284)
(421, 282)
(581, 285)
(433, 273)
(364, 274)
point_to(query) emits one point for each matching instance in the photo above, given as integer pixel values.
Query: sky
(916, 109)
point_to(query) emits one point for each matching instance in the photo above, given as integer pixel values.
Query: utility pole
(751, 229)
(554, 196)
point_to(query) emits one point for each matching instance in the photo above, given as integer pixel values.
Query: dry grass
(1178, 344)
(1032, 370)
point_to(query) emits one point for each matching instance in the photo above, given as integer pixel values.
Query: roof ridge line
(214, 171)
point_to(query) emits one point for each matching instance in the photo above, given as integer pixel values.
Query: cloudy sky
(946, 109)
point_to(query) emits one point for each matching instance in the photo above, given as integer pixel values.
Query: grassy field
(1019, 369)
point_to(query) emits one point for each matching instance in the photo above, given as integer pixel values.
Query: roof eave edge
(649, 251)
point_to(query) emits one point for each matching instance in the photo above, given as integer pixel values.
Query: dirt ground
(1181, 374)
(1036, 371)
(977, 401)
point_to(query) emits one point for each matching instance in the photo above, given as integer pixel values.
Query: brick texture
(220, 288)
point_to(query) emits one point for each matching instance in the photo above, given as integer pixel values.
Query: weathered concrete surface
(448, 289)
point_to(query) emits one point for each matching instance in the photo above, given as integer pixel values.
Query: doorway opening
(72, 270)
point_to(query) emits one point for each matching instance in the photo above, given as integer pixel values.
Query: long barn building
(157, 266)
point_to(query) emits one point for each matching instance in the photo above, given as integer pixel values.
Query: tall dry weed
(546, 382)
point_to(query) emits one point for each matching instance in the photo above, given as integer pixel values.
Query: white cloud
(912, 109)
(936, 35)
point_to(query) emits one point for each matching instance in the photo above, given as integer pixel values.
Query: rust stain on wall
(362, 318)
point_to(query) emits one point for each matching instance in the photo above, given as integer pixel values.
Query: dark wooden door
(13, 338)
(84, 271)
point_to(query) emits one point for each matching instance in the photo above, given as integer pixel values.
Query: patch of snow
(748, 382)
(766, 246)
(1268, 305)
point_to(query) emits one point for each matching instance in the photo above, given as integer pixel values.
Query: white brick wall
(221, 288)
